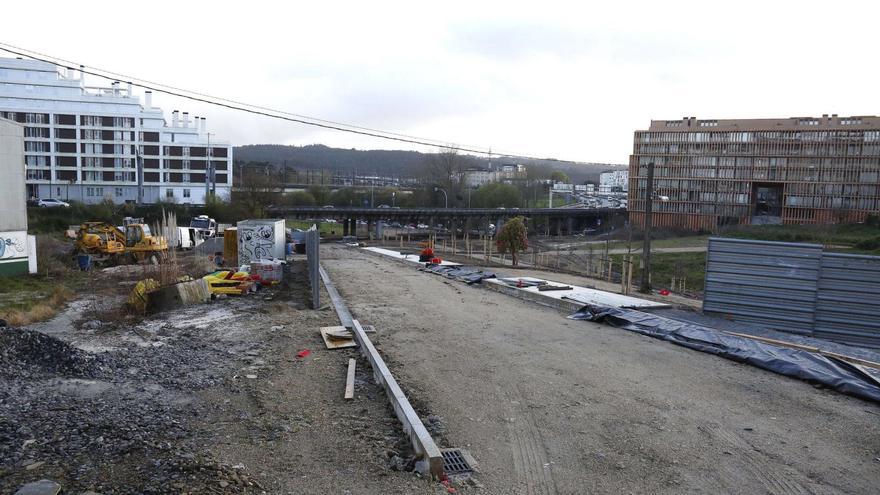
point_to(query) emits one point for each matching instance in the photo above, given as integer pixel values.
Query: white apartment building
(615, 181)
(478, 177)
(85, 143)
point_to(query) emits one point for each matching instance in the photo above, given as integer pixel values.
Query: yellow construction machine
(110, 245)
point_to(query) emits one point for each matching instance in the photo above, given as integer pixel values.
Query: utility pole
(646, 249)
(208, 169)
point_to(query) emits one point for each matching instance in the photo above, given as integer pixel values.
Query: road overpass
(553, 220)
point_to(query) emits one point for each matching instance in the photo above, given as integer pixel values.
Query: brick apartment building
(814, 170)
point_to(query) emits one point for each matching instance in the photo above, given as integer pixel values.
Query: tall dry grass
(39, 311)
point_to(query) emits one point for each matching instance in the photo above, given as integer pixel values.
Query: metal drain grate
(454, 462)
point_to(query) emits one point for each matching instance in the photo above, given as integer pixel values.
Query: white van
(188, 238)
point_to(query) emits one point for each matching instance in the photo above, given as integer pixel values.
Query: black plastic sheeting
(812, 367)
(466, 274)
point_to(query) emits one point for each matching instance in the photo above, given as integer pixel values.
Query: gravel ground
(548, 405)
(207, 399)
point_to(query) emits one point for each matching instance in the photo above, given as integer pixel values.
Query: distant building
(17, 249)
(477, 178)
(815, 170)
(82, 143)
(505, 173)
(615, 181)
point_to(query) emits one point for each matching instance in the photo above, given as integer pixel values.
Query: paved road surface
(552, 406)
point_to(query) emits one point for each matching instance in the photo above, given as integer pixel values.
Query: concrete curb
(431, 459)
(568, 307)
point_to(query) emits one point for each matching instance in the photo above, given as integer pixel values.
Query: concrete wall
(13, 207)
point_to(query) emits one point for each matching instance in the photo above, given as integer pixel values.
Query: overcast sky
(564, 80)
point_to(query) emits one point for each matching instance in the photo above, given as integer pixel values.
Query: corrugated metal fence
(313, 251)
(795, 288)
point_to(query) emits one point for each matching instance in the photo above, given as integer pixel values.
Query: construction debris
(337, 337)
(547, 287)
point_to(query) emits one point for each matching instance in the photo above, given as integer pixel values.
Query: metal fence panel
(313, 252)
(767, 282)
(848, 304)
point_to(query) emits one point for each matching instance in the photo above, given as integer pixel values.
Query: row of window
(777, 148)
(98, 176)
(68, 119)
(750, 137)
(117, 162)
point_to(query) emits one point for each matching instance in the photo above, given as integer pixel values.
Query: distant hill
(397, 162)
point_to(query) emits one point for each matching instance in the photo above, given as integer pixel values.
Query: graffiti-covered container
(260, 239)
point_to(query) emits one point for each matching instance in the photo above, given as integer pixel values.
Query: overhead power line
(253, 109)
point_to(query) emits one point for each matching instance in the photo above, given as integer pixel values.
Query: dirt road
(552, 406)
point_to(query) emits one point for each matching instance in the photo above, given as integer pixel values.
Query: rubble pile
(25, 353)
(65, 412)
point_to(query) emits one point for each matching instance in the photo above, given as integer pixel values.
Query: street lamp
(393, 197)
(445, 196)
(649, 208)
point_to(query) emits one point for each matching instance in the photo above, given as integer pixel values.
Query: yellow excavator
(111, 245)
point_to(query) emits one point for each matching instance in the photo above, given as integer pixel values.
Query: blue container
(289, 250)
(85, 261)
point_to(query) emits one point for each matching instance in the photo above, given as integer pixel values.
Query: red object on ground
(302, 354)
(436, 261)
(664, 292)
(519, 283)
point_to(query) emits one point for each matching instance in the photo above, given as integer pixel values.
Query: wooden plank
(854, 360)
(809, 348)
(780, 343)
(349, 380)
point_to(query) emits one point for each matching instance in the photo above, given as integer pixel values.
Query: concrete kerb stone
(430, 457)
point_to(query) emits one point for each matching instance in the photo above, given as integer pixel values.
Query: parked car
(49, 203)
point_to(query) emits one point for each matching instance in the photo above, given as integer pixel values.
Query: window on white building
(36, 146)
(36, 161)
(169, 193)
(36, 132)
(118, 192)
(186, 193)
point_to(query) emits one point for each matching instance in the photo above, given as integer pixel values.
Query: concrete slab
(414, 258)
(577, 296)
